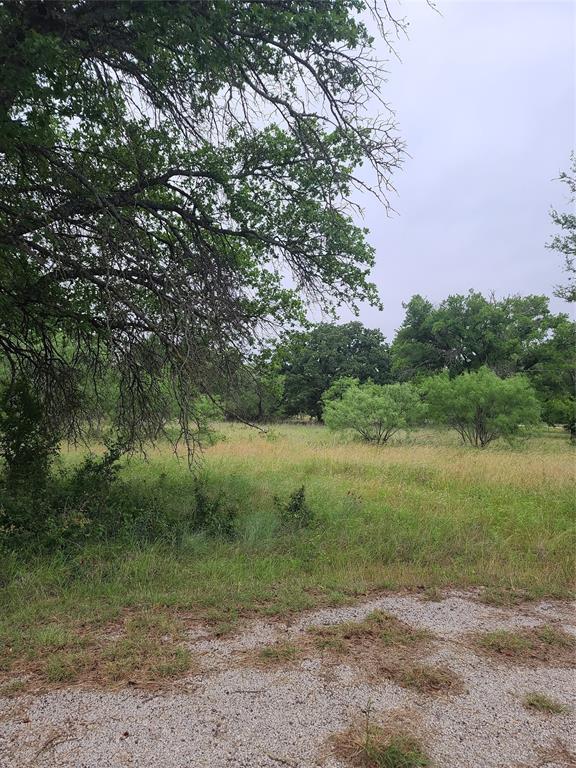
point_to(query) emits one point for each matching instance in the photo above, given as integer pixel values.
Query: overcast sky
(485, 99)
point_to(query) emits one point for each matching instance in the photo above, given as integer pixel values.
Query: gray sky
(485, 99)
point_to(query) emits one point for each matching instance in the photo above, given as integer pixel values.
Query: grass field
(425, 512)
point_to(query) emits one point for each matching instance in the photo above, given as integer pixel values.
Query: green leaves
(465, 332)
(176, 177)
(373, 411)
(482, 407)
(565, 241)
(312, 361)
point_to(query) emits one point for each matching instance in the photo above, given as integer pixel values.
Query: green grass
(423, 513)
(375, 747)
(278, 653)
(378, 627)
(542, 703)
(543, 644)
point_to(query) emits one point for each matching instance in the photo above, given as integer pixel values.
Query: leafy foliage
(148, 215)
(374, 411)
(213, 515)
(551, 368)
(482, 407)
(256, 392)
(311, 362)
(296, 512)
(465, 332)
(27, 444)
(565, 243)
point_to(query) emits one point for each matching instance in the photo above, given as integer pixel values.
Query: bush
(295, 513)
(28, 443)
(213, 515)
(91, 502)
(374, 411)
(481, 406)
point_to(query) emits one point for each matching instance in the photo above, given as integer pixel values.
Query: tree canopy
(481, 406)
(312, 361)
(551, 367)
(565, 242)
(467, 331)
(374, 411)
(164, 166)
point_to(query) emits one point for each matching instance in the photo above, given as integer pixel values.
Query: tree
(374, 411)
(552, 371)
(311, 361)
(465, 332)
(163, 166)
(566, 242)
(481, 406)
(256, 393)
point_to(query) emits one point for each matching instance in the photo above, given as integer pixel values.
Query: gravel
(235, 715)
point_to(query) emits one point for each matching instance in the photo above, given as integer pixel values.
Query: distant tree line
(517, 335)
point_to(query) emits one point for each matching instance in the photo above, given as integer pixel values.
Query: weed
(295, 513)
(213, 515)
(377, 747)
(278, 653)
(542, 703)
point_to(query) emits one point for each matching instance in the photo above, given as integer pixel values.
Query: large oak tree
(164, 167)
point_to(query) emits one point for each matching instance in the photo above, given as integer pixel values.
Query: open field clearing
(424, 515)
(112, 647)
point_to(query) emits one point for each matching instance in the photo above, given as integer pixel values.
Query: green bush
(374, 411)
(92, 502)
(481, 406)
(28, 444)
(216, 516)
(296, 512)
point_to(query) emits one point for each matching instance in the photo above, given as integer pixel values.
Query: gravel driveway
(236, 712)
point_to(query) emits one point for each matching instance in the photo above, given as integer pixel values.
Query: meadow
(421, 513)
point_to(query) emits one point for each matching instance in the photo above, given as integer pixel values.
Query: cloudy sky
(485, 99)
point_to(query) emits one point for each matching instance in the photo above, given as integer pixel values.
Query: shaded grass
(539, 702)
(429, 514)
(544, 644)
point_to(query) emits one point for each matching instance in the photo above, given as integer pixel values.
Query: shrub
(481, 406)
(213, 515)
(28, 444)
(295, 513)
(374, 411)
